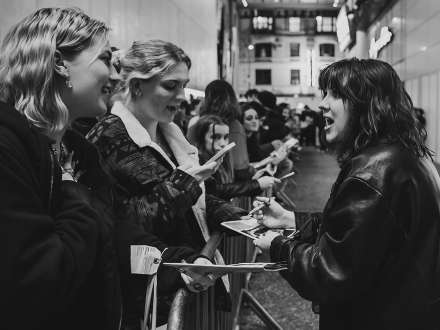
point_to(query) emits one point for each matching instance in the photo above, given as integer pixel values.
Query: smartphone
(221, 153)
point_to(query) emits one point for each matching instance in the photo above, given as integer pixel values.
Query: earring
(68, 83)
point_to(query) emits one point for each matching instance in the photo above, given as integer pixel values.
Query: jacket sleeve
(45, 260)
(308, 224)
(346, 258)
(218, 211)
(147, 198)
(127, 234)
(168, 200)
(249, 188)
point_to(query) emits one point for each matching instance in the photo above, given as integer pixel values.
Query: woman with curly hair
(371, 259)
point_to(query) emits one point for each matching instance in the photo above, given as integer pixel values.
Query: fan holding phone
(212, 140)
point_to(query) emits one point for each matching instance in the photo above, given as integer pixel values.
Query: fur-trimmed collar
(184, 152)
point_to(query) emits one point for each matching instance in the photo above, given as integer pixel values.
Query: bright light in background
(424, 49)
(396, 20)
(319, 18)
(245, 4)
(335, 4)
(350, 16)
(250, 47)
(194, 92)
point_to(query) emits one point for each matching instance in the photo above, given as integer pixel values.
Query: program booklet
(252, 229)
(221, 270)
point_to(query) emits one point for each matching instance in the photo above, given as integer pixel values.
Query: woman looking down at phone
(372, 258)
(153, 166)
(212, 136)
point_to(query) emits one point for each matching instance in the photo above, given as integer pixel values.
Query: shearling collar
(184, 152)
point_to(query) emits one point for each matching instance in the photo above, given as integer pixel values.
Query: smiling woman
(155, 169)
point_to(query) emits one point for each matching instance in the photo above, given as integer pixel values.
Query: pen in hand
(259, 207)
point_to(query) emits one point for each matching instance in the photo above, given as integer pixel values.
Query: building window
(327, 50)
(294, 77)
(294, 50)
(325, 24)
(263, 50)
(263, 23)
(263, 77)
(294, 24)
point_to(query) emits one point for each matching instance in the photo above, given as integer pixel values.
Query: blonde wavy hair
(27, 61)
(145, 60)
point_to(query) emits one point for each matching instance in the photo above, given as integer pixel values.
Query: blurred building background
(205, 29)
(279, 45)
(404, 33)
(283, 44)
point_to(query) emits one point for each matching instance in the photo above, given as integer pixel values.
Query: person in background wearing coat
(220, 100)
(372, 258)
(212, 136)
(64, 240)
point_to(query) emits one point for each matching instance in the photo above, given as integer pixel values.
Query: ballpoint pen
(259, 207)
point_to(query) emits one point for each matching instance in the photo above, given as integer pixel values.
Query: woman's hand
(276, 144)
(258, 174)
(68, 172)
(196, 282)
(201, 173)
(282, 154)
(267, 182)
(274, 215)
(265, 241)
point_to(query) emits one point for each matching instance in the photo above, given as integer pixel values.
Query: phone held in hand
(221, 153)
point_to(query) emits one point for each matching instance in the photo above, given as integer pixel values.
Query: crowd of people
(101, 151)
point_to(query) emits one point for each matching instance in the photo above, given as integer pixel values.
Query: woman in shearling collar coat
(155, 169)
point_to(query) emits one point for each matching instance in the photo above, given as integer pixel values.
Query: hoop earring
(68, 83)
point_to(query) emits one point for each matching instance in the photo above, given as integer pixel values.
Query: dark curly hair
(379, 108)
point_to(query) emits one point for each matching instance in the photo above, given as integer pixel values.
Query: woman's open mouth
(328, 123)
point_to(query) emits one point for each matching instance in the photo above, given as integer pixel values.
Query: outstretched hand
(265, 241)
(201, 173)
(196, 282)
(273, 215)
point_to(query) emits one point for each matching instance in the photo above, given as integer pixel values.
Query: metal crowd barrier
(191, 311)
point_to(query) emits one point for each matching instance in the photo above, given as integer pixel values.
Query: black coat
(62, 243)
(376, 262)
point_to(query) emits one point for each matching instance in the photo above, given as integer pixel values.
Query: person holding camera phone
(212, 136)
(154, 168)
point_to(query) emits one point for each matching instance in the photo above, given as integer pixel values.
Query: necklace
(60, 155)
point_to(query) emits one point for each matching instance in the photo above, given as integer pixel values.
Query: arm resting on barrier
(176, 319)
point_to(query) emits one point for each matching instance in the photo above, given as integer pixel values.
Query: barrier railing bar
(259, 310)
(176, 319)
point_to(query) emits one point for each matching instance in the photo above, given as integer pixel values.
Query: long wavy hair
(145, 60)
(27, 62)
(379, 108)
(201, 128)
(220, 100)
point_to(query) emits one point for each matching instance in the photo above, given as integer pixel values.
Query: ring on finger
(198, 287)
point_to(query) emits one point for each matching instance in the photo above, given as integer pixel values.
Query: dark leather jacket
(376, 261)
